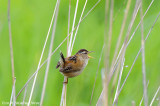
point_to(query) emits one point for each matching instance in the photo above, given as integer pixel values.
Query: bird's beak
(90, 56)
(90, 52)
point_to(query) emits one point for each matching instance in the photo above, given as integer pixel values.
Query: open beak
(90, 52)
(90, 56)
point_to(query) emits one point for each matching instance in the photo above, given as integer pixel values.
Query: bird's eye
(84, 52)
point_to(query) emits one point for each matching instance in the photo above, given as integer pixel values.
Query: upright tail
(62, 58)
(62, 61)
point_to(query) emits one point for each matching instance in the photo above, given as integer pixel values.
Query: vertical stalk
(106, 63)
(11, 54)
(69, 14)
(143, 59)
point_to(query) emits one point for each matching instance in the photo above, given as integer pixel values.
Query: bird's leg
(66, 81)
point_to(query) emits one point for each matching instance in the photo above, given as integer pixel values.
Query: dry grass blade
(143, 96)
(12, 94)
(11, 54)
(154, 96)
(137, 55)
(120, 34)
(119, 81)
(24, 97)
(110, 34)
(136, 9)
(116, 62)
(69, 14)
(10, 41)
(140, 22)
(127, 36)
(117, 46)
(33, 85)
(71, 37)
(96, 74)
(78, 26)
(49, 57)
(64, 92)
(124, 46)
(55, 51)
(99, 102)
(119, 10)
(143, 59)
(107, 48)
(133, 103)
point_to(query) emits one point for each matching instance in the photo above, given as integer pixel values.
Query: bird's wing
(66, 69)
(73, 58)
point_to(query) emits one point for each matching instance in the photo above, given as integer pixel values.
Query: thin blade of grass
(78, 26)
(137, 5)
(124, 2)
(100, 100)
(143, 59)
(120, 34)
(11, 54)
(71, 37)
(12, 94)
(107, 38)
(10, 42)
(24, 97)
(143, 97)
(49, 57)
(137, 55)
(119, 81)
(116, 62)
(118, 44)
(154, 96)
(110, 33)
(69, 14)
(96, 74)
(35, 77)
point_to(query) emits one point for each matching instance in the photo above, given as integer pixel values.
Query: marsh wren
(73, 65)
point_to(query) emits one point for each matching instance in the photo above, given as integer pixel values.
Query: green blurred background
(30, 21)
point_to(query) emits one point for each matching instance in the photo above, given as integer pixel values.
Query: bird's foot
(66, 81)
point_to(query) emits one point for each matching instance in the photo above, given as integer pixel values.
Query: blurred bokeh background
(30, 21)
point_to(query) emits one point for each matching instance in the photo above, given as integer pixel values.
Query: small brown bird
(73, 65)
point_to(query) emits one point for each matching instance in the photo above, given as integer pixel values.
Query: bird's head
(84, 53)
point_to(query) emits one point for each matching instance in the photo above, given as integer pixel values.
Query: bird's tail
(62, 58)
(62, 61)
